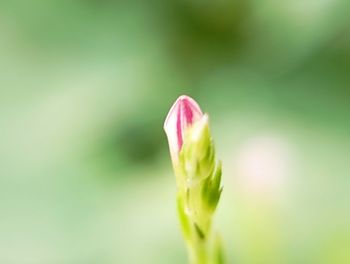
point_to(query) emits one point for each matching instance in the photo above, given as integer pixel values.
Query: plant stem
(198, 253)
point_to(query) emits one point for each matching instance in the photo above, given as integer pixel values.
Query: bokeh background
(85, 85)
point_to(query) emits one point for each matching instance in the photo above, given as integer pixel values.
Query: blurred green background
(85, 173)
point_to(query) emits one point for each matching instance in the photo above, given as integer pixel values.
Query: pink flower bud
(184, 112)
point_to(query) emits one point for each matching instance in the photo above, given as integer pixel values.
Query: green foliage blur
(85, 173)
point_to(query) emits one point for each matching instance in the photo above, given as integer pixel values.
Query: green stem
(198, 253)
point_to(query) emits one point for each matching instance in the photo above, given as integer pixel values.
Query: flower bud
(182, 115)
(198, 177)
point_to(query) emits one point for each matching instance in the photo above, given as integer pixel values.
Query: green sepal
(211, 190)
(184, 221)
(197, 156)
